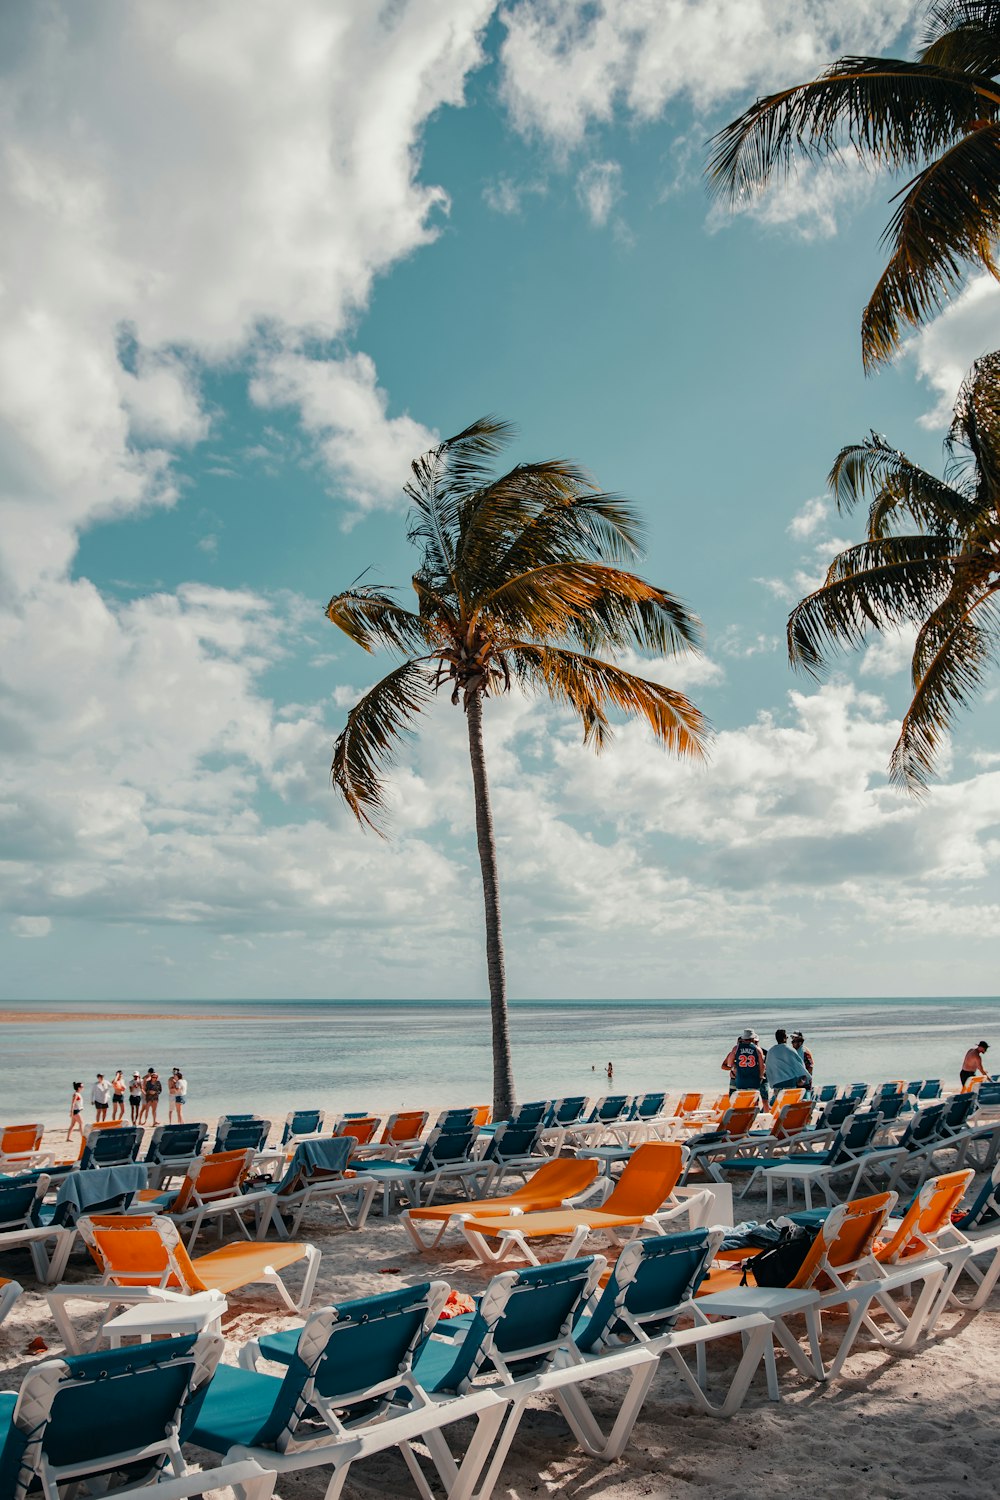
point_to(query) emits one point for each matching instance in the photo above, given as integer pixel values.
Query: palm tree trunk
(503, 1069)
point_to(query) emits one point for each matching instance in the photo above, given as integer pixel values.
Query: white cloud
(31, 927)
(505, 196)
(344, 410)
(810, 518)
(944, 350)
(183, 175)
(889, 654)
(566, 66)
(599, 188)
(810, 199)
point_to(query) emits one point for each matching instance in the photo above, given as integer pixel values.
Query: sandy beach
(892, 1426)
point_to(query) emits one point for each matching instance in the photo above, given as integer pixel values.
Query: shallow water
(266, 1056)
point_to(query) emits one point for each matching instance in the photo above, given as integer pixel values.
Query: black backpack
(779, 1265)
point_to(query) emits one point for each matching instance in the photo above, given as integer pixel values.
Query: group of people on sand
(143, 1094)
(788, 1064)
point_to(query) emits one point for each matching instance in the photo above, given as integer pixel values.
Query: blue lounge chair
(828, 1093)
(241, 1133)
(931, 1089)
(522, 1321)
(302, 1122)
(514, 1148)
(22, 1226)
(913, 1146)
(172, 1149)
(111, 1148)
(91, 1417)
(315, 1174)
(851, 1151)
(858, 1091)
(446, 1156)
(651, 1286)
(348, 1390)
(524, 1114)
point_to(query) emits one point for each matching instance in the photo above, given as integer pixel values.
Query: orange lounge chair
(553, 1186)
(641, 1199)
(146, 1250)
(212, 1187)
(20, 1149)
(844, 1246)
(401, 1136)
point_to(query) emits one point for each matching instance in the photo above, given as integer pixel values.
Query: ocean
(267, 1056)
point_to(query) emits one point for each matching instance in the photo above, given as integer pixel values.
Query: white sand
(924, 1425)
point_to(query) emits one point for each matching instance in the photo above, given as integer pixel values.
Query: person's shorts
(964, 1077)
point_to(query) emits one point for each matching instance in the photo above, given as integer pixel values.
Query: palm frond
(899, 489)
(537, 514)
(443, 479)
(963, 35)
(594, 604)
(375, 726)
(590, 686)
(949, 215)
(875, 585)
(975, 428)
(952, 653)
(891, 112)
(373, 619)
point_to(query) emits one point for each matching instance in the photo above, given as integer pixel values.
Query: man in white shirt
(100, 1097)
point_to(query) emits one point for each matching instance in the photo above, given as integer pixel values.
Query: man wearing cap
(745, 1064)
(974, 1066)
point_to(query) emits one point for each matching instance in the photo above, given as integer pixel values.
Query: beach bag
(779, 1265)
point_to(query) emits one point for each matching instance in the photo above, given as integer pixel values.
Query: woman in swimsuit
(76, 1111)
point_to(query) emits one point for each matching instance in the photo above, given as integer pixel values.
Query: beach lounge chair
(22, 1228)
(456, 1119)
(602, 1121)
(239, 1133)
(300, 1122)
(931, 1089)
(316, 1175)
(110, 1146)
(9, 1293)
(828, 1093)
(838, 1271)
(361, 1128)
(21, 1149)
(706, 1150)
(890, 1106)
(977, 1231)
(524, 1114)
(92, 1417)
(146, 1250)
(646, 1111)
(401, 1137)
(522, 1322)
(514, 1148)
(649, 1289)
(214, 1187)
(171, 1150)
(561, 1115)
(446, 1156)
(850, 1154)
(913, 1154)
(752, 1154)
(641, 1199)
(555, 1184)
(786, 1096)
(688, 1104)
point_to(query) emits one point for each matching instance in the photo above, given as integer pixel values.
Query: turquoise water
(382, 1055)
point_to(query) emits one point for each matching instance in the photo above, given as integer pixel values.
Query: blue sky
(264, 268)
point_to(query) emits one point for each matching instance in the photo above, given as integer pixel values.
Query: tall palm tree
(937, 117)
(518, 581)
(931, 559)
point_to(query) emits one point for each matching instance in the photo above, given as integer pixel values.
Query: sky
(256, 259)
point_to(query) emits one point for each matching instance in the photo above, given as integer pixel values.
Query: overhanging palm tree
(937, 117)
(931, 559)
(519, 580)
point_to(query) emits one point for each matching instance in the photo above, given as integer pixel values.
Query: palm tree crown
(937, 118)
(520, 580)
(931, 559)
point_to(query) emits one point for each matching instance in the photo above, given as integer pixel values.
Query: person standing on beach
(177, 1089)
(118, 1096)
(76, 1111)
(974, 1065)
(785, 1068)
(745, 1064)
(799, 1044)
(135, 1097)
(100, 1097)
(152, 1088)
